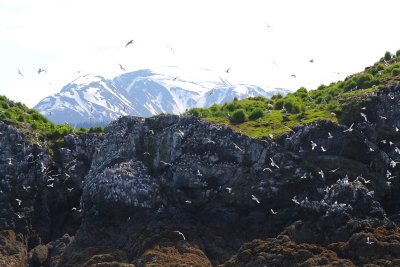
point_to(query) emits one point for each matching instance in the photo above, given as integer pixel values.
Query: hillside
(181, 190)
(339, 102)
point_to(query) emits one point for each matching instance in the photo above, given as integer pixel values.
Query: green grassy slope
(259, 116)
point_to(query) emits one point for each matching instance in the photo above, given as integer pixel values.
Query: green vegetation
(34, 123)
(339, 102)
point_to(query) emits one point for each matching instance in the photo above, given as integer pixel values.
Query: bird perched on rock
(330, 135)
(364, 116)
(368, 241)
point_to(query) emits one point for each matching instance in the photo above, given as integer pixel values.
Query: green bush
(238, 116)
(395, 71)
(279, 104)
(398, 53)
(256, 114)
(365, 81)
(349, 85)
(96, 129)
(388, 55)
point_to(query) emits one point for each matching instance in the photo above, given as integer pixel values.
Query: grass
(339, 102)
(35, 125)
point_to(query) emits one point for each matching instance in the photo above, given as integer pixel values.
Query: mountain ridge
(95, 99)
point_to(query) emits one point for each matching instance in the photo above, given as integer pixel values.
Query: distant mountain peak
(93, 99)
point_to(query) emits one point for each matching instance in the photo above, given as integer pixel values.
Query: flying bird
(267, 169)
(70, 189)
(311, 60)
(128, 43)
(293, 75)
(273, 164)
(349, 129)
(180, 234)
(313, 145)
(227, 71)
(41, 70)
(273, 212)
(19, 72)
(368, 241)
(253, 197)
(122, 68)
(294, 199)
(323, 149)
(364, 116)
(165, 163)
(330, 135)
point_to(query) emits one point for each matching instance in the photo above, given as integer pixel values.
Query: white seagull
(273, 164)
(253, 197)
(349, 129)
(180, 234)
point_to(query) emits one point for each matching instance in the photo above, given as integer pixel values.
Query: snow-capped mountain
(94, 100)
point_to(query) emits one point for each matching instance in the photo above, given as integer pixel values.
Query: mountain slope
(92, 99)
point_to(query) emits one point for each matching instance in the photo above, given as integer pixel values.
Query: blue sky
(263, 42)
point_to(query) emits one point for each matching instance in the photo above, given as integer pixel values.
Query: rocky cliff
(180, 191)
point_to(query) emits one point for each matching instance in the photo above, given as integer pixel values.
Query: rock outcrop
(180, 191)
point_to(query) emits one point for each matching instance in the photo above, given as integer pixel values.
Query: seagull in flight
(41, 70)
(273, 164)
(165, 163)
(311, 60)
(330, 135)
(293, 75)
(128, 43)
(393, 163)
(349, 129)
(227, 71)
(323, 149)
(253, 197)
(70, 189)
(364, 116)
(294, 199)
(273, 212)
(180, 234)
(122, 68)
(313, 145)
(19, 72)
(267, 169)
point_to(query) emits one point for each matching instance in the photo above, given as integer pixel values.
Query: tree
(398, 53)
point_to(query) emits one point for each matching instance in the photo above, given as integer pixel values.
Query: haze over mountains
(95, 100)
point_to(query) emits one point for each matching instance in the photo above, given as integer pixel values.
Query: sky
(262, 42)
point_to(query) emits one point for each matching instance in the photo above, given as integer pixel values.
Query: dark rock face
(179, 191)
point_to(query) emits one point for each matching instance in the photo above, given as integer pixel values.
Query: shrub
(349, 85)
(256, 114)
(388, 55)
(96, 129)
(278, 104)
(365, 81)
(395, 71)
(239, 116)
